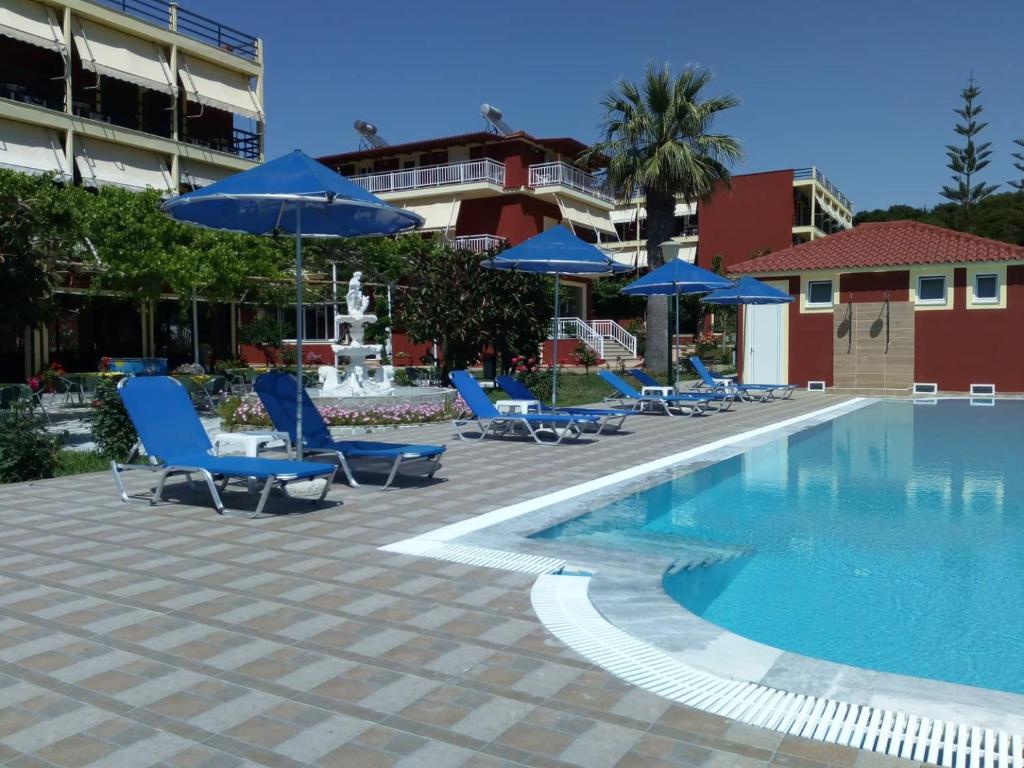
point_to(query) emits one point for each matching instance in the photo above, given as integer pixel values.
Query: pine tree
(967, 161)
(1019, 165)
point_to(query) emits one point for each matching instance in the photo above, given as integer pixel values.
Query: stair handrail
(611, 329)
(577, 328)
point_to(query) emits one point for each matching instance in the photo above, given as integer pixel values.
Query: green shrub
(26, 451)
(538, 381)
(112, 429)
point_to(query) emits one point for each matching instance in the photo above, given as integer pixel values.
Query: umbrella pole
(298, 332)
(195, 327)
(678, 359)
(554, 350)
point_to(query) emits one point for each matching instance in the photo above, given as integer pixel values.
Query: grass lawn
(80, 462)
(583, 388)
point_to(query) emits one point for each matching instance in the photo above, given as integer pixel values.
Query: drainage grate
(479, 556)
(562, 604)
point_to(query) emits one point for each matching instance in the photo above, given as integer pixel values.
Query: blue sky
(863, 90)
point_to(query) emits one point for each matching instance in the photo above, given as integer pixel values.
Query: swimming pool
(890, 538)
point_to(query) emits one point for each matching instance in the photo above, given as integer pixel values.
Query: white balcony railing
(478, 243)
(561, 174)
(433, 176)
(816, 175)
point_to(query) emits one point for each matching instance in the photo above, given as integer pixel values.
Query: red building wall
(755, 213)
(959, 347)
(514, 217)
(954, 348)
(810, 342)
(517, 155)
(862, 287)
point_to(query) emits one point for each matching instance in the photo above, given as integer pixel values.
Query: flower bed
(251, 413)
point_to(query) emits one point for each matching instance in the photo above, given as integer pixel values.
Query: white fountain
(348, 336)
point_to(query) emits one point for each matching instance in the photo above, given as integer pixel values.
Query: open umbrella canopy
(676, 276)
(556, 251)
(673, 278)
(271, 199)
(297, 196)
(748, 290)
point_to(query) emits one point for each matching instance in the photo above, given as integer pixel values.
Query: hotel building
(497, 187)
(128, 93)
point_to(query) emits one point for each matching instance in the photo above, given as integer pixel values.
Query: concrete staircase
(614, 352)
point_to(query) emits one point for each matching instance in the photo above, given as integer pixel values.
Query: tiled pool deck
(133, 636)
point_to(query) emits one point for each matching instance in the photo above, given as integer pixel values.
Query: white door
(764, 344)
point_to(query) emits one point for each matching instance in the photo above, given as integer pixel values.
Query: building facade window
(819, 294)
(986, 289)
(931, 289)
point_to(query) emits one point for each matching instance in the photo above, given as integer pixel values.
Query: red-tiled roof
(883, 244)
(565, 145)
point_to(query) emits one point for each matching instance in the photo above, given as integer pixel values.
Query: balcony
(813, 174)
(190, 24)
(478, 243)
(431, 176)
(564, 175)
(245, 144)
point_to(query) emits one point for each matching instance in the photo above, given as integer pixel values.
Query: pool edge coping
(819, 718)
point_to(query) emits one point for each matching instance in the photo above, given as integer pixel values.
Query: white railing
(813, 173)
(609, 329)
(478, 243)
(561, 174)
(575, 328)
(433, 176)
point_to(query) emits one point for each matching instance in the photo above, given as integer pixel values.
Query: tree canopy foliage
(118, 240)
(658, 136)
(999, 216)
(967, 161)
(39, 227)
(453, 301)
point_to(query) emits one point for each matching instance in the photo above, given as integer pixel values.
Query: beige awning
(198, 174)
(629, 215)
(108, 52)
(31, 149)
(438, 216)
(586, 216)
(213, 86)
(31, 23)
(104, 164)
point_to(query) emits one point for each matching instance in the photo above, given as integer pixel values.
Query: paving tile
(293, 641)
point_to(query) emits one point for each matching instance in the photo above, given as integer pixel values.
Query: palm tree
(657, 138)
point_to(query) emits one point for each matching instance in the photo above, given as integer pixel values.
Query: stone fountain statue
(348, 335)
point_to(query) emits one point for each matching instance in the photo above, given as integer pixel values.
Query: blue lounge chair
(750, 392)
(645, 379)
(176, 443)
(276, 390)
(694, 403)
(607, 418)
(492, 421)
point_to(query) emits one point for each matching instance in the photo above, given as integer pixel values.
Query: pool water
(891, 538)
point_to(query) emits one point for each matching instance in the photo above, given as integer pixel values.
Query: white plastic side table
(252, 442)
(657, 391)
(518, 406)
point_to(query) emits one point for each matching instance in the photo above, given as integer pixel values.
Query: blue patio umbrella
(557, 252)
(295, 196)
(673, 278)
(748, 290)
